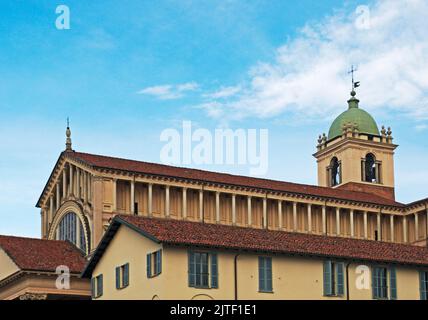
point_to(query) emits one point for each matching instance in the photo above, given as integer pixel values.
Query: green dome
(354, 115)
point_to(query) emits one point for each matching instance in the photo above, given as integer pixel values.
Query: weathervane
(354, 84)
(68, 135)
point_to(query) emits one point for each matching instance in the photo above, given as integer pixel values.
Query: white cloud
(309, 78)
(169, 92)
(214, 109)
(189, 86)
(223, 92)
(421, 127)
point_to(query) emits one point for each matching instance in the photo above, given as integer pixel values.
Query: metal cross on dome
(354, 84)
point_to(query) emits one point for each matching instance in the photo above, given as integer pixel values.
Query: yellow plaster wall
(128, 247)
(7, 266)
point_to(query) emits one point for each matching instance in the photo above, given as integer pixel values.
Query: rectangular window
(122, 276)
(384, 283)
(265, 274)
(97, 286)
(423, 284)
(203, 269)
(334, 279)
(154, 264)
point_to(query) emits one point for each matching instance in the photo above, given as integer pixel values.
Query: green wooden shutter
(268, 274)
(374, 287)
(117, 277)
(100, 286)
(262, 286)
(423, 284)
(149, 265)
(126, 275)
(191, 269)
(392, 283)
(340, 279)
(93, 293)
(159, 262)
(375, 282)
(214, 270)
(328, 290)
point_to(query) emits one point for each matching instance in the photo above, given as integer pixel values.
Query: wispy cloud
(309, 78)
(421, 127)
(169, 92)
(214, 109)
(223, 92)
(98, 39)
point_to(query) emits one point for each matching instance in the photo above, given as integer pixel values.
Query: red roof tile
(222, 236)
(42, 255)
(229, 179)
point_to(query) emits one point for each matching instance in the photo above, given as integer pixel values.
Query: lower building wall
(128, 247)
(45, 284)
(293, 277)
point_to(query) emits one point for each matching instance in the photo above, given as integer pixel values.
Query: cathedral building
(200, 234)
(354, 197)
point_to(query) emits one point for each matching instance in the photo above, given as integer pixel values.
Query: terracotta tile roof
(194, 233)
(179, 232)
(42, 255)
(229, 179)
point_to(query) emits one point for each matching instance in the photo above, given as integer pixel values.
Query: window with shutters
(384, 283)
(202, 269)
(154, 264)
(122, 276)
(97, 286)
(265, 274)
(334, 278)
(423, 284)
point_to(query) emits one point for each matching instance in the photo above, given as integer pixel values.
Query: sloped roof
(42, 255)
(179, 232)
(105, 162)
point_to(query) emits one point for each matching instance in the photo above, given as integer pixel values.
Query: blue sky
(127, 70)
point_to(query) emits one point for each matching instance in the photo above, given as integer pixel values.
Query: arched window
(71, 228)
(335, 172)
(371, 169)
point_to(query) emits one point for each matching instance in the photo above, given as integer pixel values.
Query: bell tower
(355, 155)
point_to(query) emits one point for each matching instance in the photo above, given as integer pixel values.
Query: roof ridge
(30, 238)
(129, 218)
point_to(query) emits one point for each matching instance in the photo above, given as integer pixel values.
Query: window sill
(265, 291)
(121, 288)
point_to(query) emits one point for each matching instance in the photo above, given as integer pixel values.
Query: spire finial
(353, 102)
(68, 135)
(354, 84)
